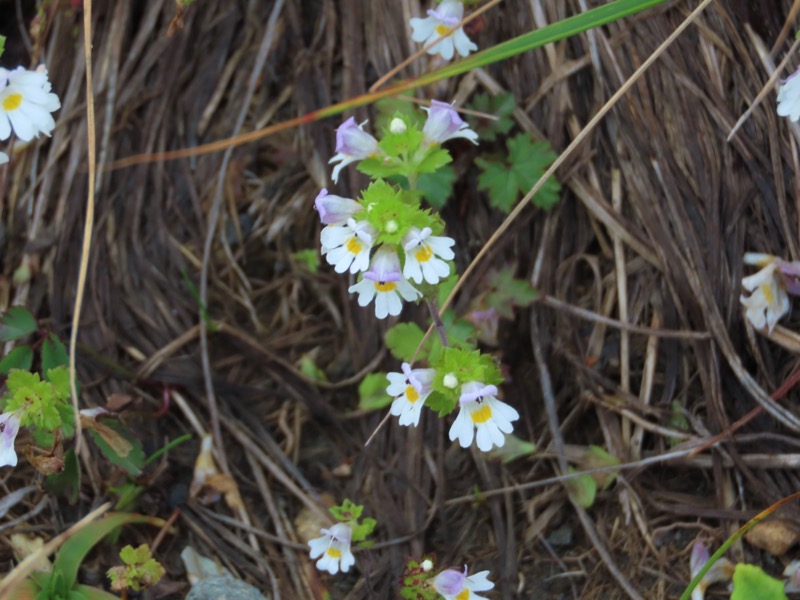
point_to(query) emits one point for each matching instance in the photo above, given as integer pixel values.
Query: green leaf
(2, 44)
(74, 551)
(389, 108)
(91, 593)
(434, 160)
(582, 490)
(596, 457)
(20, 357)
(750, 582)
(403, 339)
(513, 449)
(496, 180)
(372, 392)
(59, 380)
(508, 291)
(16, 323)
(500, 106)
(437, 187)
(506, 180)
(66, 484)
(310, 369)
(308, 258)
(118, 445)
(376, 169)
(54, 353)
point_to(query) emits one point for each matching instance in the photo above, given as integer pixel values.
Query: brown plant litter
(638, 331)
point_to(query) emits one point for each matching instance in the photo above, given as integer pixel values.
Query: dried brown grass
(657, 212)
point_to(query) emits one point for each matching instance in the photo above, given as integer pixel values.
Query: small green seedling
(139, 572)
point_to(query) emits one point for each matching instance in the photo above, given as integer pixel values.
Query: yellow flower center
(767, 291)
(388, 286)
(333, 553)
(423, 254)
(483, 414)
(463, 595)
(12, 102)
(442, 29)
(353, 245)
(411, 394)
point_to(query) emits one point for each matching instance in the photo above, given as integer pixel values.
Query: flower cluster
(458, 379)
(769, 289)
(25, 105)
(386, 235)
(438, 23)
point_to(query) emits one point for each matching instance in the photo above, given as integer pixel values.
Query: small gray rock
(224, 588)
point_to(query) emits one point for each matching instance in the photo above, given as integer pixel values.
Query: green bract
(392, 212)
(36, 402)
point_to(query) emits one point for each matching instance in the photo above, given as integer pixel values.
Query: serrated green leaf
(500, 106)
(502, 188)
(750, 582)
(403, 339)
(59, 380)
(507, 180)
(437, 187)
(20, 357)
(372, 392)
(54, 353)
(16, 323)
(133, 460)
(66, 484)
(401, 144)
(582, 490)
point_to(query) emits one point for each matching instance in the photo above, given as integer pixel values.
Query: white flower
(440, 21)
(335, 210)
(720, 571)
(450, 381)
(397, 126)
(455, 585)
(768, 301)
(385, 284)
(3, 158)
(352, 144)
(334, 548)
(26, 103)
(444, 124)
(347, 246)
(10, 424)
(789, 97)
(481, 410)
(422, 252)
(410, 389)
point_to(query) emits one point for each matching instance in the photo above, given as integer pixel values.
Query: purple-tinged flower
(352, 144)
(444, 124)
(10, 424)
(769, 300)
(455, 585)
(438, 22)
(335, 210)
(422, 256)
(482, 411)
(334, 548)
(385, 283)
(347, 246)
(410, 389)
(720, 571)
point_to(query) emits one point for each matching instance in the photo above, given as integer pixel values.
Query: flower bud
(397, 126)
(450, 381)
